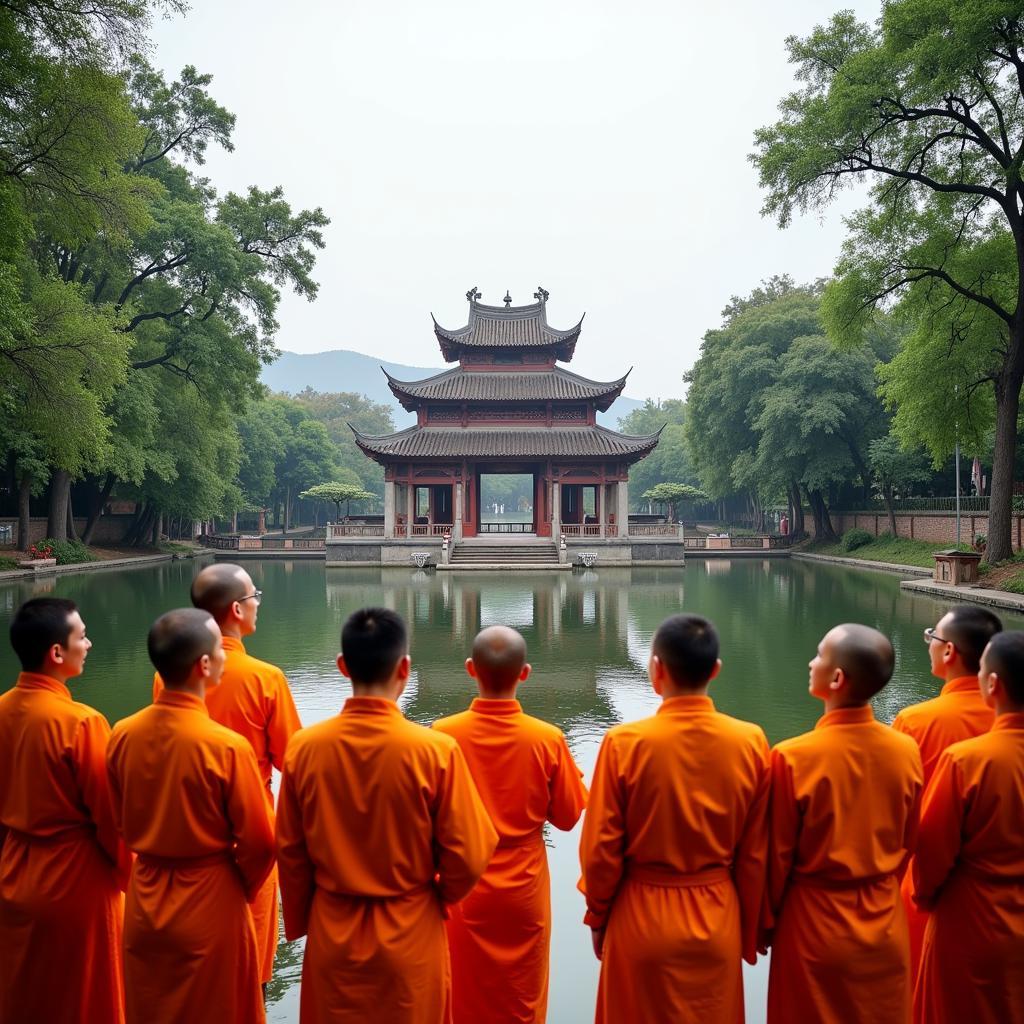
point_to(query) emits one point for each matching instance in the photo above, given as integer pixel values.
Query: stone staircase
(534, 553)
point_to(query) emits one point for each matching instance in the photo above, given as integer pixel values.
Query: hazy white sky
(597, 149)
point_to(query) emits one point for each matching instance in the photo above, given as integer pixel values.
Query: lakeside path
(130, 562)
(921, 582)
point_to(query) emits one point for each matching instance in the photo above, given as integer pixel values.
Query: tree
(674, 494)
(926, 108)
(338, 493)
(895, 468)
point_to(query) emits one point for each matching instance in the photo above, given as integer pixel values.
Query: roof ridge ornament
(541, 295)
(508, 298)
(473, 294)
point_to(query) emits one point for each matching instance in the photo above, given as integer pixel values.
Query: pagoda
(507, 407)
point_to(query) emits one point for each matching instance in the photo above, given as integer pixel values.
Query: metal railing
(506, 528)
(426, 530)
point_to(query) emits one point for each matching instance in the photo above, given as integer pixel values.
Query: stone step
(505, 554)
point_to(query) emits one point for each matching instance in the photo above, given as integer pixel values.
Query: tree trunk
(97, 509)
(796, 517)
(158, 524)
(138, 525)
(234, 522)
(57, 520)
(24, 498)
(887, 498)
(287, 509)
(72, 534)
(822, 522)
(999, 545)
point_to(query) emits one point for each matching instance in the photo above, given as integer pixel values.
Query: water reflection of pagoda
(507, 408)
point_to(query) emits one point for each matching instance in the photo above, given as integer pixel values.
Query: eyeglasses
(256, 595)
(930, 635)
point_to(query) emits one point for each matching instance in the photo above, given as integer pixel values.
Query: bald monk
(254, 700)
(674, 846)
(191, 804)
(845, 802)
(957, 713)
(969, 867)
(379, 829)
(500, 934)
(62, 864)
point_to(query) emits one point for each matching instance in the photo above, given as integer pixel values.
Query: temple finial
(473, 293)
(540, 294)
(508, 298)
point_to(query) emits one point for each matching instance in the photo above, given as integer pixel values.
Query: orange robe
(190, 803)
(958, 713)
(844, 809)
(969, 871)
(254, 700)
(500, 934)
(673, 855)
(379, 826)
(62, 864)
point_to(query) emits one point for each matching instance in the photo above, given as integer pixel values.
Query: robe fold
(500, 934)
(379, 827)
(63, 866)
(969, 872)
(673, 855)
(957, 713)
(254, 700)
(191, 805)
(844, 810)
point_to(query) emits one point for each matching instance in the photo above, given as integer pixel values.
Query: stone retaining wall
(935, 527)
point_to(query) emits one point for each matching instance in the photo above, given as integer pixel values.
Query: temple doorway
(506, 503)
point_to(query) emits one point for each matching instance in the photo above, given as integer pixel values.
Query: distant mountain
(341, 370)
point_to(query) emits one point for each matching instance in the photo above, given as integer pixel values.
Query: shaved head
(499, 654)
(865, 656)
(218, 586)
(178, 639)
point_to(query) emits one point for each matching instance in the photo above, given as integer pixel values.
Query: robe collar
(492, 706)
(371, 706)
(232, 643)
(686, 704)
(185, 701)
(846, 716)
(37, 681)
(962, 684)
(1011, 720)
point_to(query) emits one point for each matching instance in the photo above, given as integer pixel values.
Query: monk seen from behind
(500, 934)
(845, 802)
(674, 846)
(379, 830)
(190, 803)
(252, 699)
(969, 867)
(958, 713)
(62, 864)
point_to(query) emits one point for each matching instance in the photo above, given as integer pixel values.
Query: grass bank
(894, 550)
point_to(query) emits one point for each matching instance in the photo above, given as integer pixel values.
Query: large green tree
(924, 108)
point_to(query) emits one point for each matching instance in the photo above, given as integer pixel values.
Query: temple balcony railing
(355, 530)
(423, 530)
(655, 530)
(585, 530)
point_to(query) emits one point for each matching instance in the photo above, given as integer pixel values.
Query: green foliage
(674, 493)
(671, 459)
(894, 467)
(67, 552)
(7, 564)
(337, 492)
(856, 538)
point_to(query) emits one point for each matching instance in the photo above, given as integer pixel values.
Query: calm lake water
(588, 634)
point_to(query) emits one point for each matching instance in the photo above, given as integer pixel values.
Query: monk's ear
(470, 669)
(403, 669)
(342, 667)
(716, 669)
(838, 681)
(525, 674)
(656, 673)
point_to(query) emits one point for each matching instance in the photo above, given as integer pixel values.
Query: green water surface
(588, 635)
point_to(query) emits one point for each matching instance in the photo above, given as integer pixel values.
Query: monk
(63, 867)
(190, 803)
(969, 867)
(957, 713)
(845, 802)
(254, 700)
(674, 846)
(500, 934)
(379, 830)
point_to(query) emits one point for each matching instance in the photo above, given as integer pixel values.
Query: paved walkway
(862, 563)
(11, 575)
(971, 594)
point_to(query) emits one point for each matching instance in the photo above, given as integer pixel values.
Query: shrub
(856, 538)
(68, 552)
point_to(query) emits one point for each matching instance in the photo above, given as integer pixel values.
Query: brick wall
(936, 527)
(109, 530)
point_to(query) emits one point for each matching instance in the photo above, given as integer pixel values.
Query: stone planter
(956, 567)
(39, 564)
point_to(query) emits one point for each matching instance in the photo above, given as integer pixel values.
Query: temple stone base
(624, 551)
(397, 551)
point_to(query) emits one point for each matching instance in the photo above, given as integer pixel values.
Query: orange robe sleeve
(940, 833)
(282, 721)
(602, 845)
(296, 870)
(751, 864)
(568, 794)
(246, 808)
(464, 836)
(784, 837)
(89, 754)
